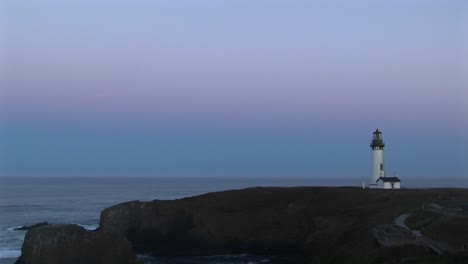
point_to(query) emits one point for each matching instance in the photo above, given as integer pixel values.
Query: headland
(313, 224)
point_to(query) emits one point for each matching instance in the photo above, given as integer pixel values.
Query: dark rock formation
(26, 228)
(72, 244)
(327, 225)
(323, 225)
(261, 221)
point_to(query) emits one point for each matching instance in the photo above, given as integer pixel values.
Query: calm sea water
(26, 201)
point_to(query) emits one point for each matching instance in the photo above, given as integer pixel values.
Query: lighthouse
(378, 164)
(378, 179)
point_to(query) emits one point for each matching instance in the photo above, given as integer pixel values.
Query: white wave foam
(9, 253)
(89, 227)
(13, 228)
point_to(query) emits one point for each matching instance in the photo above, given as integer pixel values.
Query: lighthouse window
(381, 166)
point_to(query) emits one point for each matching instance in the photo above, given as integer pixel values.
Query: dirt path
(400, 221)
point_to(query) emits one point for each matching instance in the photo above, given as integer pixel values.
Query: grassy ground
(449, 229)
(421, 218)
(443, 259)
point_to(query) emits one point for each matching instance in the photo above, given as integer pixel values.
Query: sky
(232, 88)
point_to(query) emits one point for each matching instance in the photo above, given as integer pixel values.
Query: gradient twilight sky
(232, 88)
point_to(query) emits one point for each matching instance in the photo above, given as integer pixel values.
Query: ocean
(26, 201)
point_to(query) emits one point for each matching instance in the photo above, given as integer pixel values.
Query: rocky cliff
(259, 221)
(321, 225)
(72, 244)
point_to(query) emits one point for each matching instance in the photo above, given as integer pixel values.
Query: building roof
(389, 179)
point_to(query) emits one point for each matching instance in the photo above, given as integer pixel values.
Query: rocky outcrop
(72, 244)
(26, 228)
(321, 225)
(260, 220)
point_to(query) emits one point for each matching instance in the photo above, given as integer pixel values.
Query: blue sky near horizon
(232, 88)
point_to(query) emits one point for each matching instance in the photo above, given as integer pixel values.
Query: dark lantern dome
(377, 140)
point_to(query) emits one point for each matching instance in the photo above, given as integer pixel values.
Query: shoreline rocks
(72, 244)
(318, 224)
(26, 228)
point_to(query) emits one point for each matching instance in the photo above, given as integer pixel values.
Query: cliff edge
(316, 224)
(72, 244)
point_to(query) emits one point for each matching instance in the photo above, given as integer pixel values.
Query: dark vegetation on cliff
(317, 224)
(452, 229)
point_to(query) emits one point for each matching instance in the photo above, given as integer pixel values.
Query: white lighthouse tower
(378, 165)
